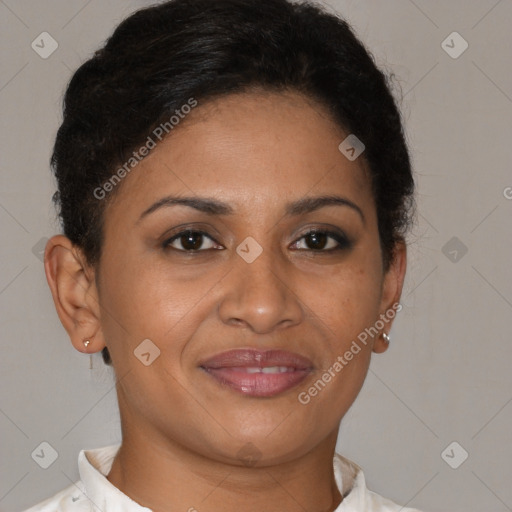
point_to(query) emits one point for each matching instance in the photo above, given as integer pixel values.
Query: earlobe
(391, 292)
(74, 293)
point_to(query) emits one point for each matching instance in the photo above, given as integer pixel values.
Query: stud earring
(86, 343)
(386, 337)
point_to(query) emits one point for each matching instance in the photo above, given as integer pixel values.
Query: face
(219, 251)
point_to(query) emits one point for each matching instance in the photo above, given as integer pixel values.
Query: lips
(258, 373)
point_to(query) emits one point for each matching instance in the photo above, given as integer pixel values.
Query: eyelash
(343, 242)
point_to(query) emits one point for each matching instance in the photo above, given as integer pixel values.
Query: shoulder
(70, 499)
(93, 466)
(378, 503)
(352, 483)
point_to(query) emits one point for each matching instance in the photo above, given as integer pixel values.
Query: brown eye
(316, 240)
(190, 241)
(322, 241)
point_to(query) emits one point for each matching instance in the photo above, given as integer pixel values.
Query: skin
(182, 430)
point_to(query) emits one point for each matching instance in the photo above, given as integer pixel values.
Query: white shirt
(94, 492)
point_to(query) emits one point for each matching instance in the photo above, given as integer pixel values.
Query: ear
(392, 285)
(74, 293)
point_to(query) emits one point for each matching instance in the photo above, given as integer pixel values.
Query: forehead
(259, 147)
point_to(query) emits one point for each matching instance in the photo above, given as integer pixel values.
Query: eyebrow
(310, 204)
(213, 206)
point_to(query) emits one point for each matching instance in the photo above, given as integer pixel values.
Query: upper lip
(252, 358)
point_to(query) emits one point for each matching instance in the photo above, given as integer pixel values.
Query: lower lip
(258, 384)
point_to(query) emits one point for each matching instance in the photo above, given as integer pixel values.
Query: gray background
(446, 376)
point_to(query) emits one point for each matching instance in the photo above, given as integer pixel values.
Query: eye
(322, 241)
(191, 241)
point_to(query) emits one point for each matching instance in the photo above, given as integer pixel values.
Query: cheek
(343, 307)
(152, 301)
(346, 299)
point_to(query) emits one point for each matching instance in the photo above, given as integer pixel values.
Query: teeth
(275, 369)
(269, 369)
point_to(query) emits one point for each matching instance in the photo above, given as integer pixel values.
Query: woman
(235, 190)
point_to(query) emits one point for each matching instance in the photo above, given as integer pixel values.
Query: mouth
(258, 373)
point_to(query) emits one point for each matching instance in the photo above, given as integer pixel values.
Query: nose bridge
(262, 276)
(257, 294)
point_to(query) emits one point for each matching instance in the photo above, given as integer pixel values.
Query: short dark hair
(161, 56)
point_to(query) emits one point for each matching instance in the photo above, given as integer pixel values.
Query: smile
(256, 373)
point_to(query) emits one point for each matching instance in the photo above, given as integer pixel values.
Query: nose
(260, 296)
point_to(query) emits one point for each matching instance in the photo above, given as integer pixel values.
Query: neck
(161, 475)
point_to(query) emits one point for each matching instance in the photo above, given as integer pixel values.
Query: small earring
(86, 343)
(386, 337)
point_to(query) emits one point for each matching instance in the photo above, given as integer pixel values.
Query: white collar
(94, 465)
